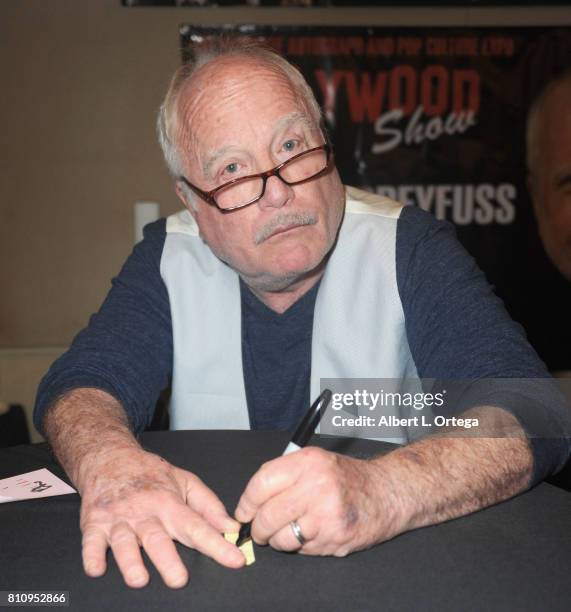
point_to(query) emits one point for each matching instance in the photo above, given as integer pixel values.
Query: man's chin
(282, 280)
(275, 283)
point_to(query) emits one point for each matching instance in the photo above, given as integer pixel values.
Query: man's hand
(137, 499)
(132, 498)
(339, 503)
(342, 504)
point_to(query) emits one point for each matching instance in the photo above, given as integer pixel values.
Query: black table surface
(513, 556)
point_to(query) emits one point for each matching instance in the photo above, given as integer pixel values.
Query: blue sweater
(456, 329)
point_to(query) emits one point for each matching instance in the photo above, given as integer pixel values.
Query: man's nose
(277, 193)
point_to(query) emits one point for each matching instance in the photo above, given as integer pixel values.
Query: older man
(549, 166)
(274, 277)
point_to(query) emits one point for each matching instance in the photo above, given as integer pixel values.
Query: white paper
(39, 483)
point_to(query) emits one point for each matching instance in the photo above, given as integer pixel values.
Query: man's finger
(271, 479)
(93, 551)
(223, 523)
(163, 554)
(206, 503)
(192, 530)
(277, 513)
(125, 546)
(286, 540)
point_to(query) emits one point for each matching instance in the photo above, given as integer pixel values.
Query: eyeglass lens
(294, 171)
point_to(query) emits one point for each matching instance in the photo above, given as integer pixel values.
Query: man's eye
(231, 168)
(290, 145)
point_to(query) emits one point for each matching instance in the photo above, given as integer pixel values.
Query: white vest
(358, 326)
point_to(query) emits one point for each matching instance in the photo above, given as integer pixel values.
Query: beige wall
(20, 372)
(81, 83)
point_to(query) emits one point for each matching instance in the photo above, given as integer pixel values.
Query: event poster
(435, 117)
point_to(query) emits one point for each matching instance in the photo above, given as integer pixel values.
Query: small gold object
(247, 547)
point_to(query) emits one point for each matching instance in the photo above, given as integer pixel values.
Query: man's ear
(180, 192)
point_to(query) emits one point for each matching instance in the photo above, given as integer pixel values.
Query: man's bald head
(186, 83)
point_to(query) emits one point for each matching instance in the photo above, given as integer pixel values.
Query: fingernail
(238, 557)
(178, 580)
(137, 578)
(90, 568)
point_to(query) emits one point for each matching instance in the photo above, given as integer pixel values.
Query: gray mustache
(283, 220)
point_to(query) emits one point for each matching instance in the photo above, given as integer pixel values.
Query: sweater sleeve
(126, 349)
(461, 335)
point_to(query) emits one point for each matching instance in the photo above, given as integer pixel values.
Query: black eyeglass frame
(209, 196)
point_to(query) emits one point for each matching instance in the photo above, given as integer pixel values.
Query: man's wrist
(390, 497)
(112, 456)
(85, 428)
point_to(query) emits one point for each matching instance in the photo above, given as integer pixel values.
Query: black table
(513, 556)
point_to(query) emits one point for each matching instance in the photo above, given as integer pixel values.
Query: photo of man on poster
(549, 169)
(548, 140)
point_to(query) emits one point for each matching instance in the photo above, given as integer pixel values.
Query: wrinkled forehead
(236, 95)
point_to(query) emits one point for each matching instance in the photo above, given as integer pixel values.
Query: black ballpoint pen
(299, 439)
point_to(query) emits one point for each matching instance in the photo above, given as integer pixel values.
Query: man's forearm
(446, 476)
(86, 424)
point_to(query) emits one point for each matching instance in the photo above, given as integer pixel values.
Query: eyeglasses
(247, 190)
